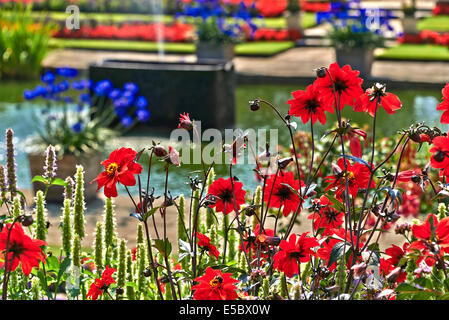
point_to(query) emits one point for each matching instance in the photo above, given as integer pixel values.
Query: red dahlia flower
(294, 251)
(433, 238)
(222, 190)
(367, 102)
(440, 157)
(101, 285)
(309, 104)
(348, 85)
(20, 249)
(277, 188)
(444, 105)
(358, 178)
(215, 285)
(327, 218)
(204, 243)
(120, 167)
(396, 253)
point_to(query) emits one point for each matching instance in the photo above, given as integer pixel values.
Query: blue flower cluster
(127, 104)
(207, 9)
(362, 20)
(126, 101)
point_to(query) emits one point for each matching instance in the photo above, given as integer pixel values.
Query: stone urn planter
(409, 24)
(214, 52)
(360, 59)
(67, 167)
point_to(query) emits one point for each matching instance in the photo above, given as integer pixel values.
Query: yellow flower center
(112, 168)
(350, 175)
(215, 282)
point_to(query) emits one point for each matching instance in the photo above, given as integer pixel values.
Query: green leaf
(59, 182)
(163, 246)
(39, 179)
(63, 267)
(337, 204)
(52, 264)
(132, 284)
(336, 252)
(150, 213)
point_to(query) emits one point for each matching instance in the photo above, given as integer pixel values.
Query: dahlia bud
(287, 117)
(147, 272)
(321, 72)
(265, 240)
(27, 220)
(257, 273)
(250, 211)
(210, 200)
(416, 178)
(160, 151)
(185, 122)
(403, 228)
(254, 105)
(282, 163)
(119, 291)
(323, 272)
(173, 157)
(414, 136)
(425, 137)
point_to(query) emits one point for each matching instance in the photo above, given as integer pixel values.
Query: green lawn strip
(308, 18)
(436, 23)
(426, 52)
(262, 48)
(121, 45)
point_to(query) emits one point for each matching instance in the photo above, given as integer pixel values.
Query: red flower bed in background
(275, 8)
(266, 34)
(441, 9)
(426, 36)
(176, 32)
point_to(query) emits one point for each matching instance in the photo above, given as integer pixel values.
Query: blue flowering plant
(218, 23)
(80, 116)
(354, 26)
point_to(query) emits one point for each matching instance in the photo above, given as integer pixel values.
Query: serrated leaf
(337, 204)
